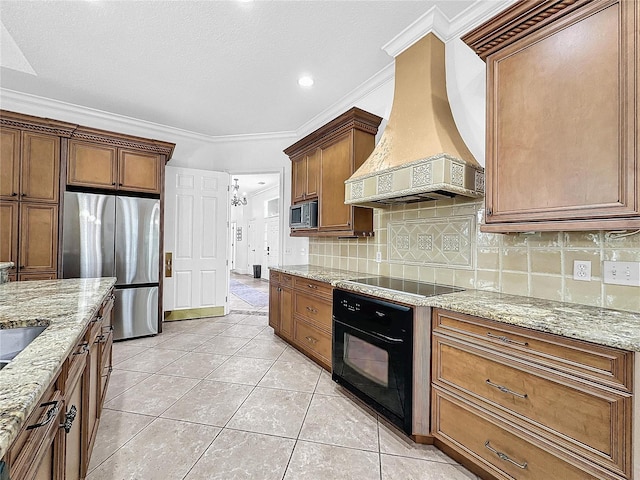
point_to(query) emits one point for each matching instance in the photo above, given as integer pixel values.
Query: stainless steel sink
(14, 340)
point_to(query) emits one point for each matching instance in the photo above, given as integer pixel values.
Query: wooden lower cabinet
(37, 452)
(520, 404)
(280, 305)
(501, 449)
(300, 313)
(58, 436)
(76, 461)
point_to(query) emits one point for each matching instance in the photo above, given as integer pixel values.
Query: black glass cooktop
(408, 286)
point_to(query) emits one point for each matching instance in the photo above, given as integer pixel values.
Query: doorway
(257, 226)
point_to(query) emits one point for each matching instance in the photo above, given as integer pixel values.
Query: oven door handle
(379, 336)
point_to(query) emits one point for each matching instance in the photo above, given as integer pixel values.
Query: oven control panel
(352, 306)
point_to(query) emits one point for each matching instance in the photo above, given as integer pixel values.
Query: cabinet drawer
(38, 432)
(315, 310)
(498, 446)
(315, 341)
(605, 365)
(286, 280)
(314, 287)
(600, 424)
(274, 277)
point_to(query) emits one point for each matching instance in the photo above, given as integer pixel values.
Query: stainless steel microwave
(304, 215)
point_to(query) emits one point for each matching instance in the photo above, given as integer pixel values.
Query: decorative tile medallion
(385, 183)
(457, 174)
(451, 243)
(425, 242)
(357, 189)
(479, 183)
(436, 242)
(421, 175)
(402, 242)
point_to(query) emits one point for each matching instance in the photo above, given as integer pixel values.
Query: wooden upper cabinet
(298, 179)
(30, 165)
(40, 178)
(305, 174)
(111, 168)
(333, 213)
(562, 135)
(139, 171)
(322, 161)
(9, 163)
(92, 165)
(111, 161)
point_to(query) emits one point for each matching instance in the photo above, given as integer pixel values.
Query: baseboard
(190, 313)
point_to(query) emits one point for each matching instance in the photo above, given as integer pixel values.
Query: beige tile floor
(224, 398)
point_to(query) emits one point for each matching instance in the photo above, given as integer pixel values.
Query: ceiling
(251, 184)
(217, 68)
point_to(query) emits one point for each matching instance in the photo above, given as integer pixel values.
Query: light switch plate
(622, 273)
(378, 257)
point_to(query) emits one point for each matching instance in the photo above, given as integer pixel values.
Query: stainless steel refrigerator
(116, 236)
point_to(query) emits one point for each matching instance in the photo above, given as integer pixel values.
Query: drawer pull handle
(504, 456)
(311, 340)
(312, 286)
(69, 417)
(84, 348)
(506, 339)
(51, 414)
(506, 390)
(312, 310)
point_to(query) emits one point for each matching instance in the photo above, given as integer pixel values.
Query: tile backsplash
(441, 242)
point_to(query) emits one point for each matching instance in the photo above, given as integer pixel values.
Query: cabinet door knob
(489, 212)
(14, 194)
(69, 417)
(23, 195)
(113, 183)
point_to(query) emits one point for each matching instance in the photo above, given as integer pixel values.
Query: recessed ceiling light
(305, 81)
(261, 183)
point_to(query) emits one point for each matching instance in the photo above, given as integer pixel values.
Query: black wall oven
(373, 353)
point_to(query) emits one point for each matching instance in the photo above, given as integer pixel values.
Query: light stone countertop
(5, 265)
(65, 307)
(612, 328)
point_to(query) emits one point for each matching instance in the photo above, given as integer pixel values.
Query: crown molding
(475, 15)
(432, 21)
(32, 104)
(379, 79)
(436, 22)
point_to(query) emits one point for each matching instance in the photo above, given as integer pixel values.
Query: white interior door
(252, 243)
(232, 234)
(271, 256)
(196, 232)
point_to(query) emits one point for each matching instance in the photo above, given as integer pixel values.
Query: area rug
(249, 294)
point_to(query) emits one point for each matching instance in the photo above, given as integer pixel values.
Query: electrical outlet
(582, 270)
(622, 273)
(378, 257)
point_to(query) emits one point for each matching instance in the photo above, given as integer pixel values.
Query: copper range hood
(421, 155)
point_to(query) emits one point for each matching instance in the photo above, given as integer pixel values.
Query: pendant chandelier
(235, 197)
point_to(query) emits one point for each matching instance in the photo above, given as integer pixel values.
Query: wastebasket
(257, 271)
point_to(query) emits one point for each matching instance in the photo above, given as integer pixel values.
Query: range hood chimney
(420, 156)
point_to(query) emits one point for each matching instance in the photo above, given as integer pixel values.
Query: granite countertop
(321, 274)
(612, 328)
(5, 265)
(64, 307)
